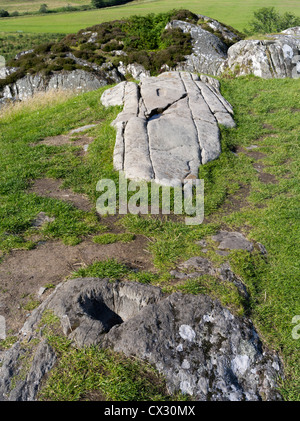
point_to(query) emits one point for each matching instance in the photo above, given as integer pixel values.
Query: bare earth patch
(66, 140)
(259, 166)
(49, 187)
(24, 272)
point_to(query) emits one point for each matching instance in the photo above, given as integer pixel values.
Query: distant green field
(33, 5)
(236, 13)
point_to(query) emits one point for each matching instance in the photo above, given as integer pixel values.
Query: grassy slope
(267, 114)
(234, 12)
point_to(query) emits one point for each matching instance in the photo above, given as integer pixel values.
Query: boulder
(168, 126)
(137, 71)
(275, 57)
(232, 241)
(208, 51)
(201, 348)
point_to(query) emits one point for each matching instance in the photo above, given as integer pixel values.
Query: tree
(107, 3)
(268, 20)
(98, 3)
(43, 8)
(4, 14)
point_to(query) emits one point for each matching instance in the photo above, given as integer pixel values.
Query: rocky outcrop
(275, 57)
(226, 33)
(137, 71)
(201, 348)
(23, 368)
(168, 126)
(209, 51)
(77, 80)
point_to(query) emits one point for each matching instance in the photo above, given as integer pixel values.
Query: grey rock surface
(227, 33)
(276, 57)
(89, 307)
(168, 126)
(41, 219)
(201, 348)
(137, 71)
(17, 383)
(232, 240)
(76, 80)
(208, 51)
(197, 266)
(82, 128)
(292, 31)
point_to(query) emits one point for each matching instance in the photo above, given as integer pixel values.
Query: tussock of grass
(226, 292)
(109, 268)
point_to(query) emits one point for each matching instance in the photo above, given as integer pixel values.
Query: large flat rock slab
(168, 126)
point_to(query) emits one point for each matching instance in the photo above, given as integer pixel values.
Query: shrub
(267, 20)
(185, 15)
(43, 48)
(60, 48)
(43, 8)
(4, 13)
(98, 3)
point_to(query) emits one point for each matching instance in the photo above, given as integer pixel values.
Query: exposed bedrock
(168, 126)
(201, 348)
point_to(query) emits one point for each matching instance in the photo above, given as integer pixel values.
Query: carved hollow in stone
(200, 347)
(168, 126)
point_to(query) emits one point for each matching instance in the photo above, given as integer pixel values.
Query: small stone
(232, 241)
(262, 249)
(41, 291)
(42, 219)
(83, 128)
(201, 243)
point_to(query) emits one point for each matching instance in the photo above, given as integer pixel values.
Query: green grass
(267, 115)
(233, 12)
(91, 373)
(111, 376)
(18, 207)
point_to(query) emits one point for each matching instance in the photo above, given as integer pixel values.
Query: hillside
(217, 299)
(233, 12)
